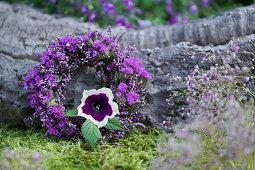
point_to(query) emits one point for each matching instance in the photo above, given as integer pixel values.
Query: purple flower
(169, 10)
(104, 48)
(168, 2)
(50, 77)
(25, 85)
(129, 4)
(60, 55)
(139, 11)
(135, 63)
(118, 94)
(132, 97)
(37, 79)
(84, 37)
(98, 106)
(120, 21)
(246, 79)
(69, 40)
(122, 87)
(143, 23)
(50, 63)
(109, 8)
(51, 1)
(185, 19)
(34, 73)
(127, 70)
(61, 125)
(130, 26)
(235, 48)
(37, 157)
(193, 7)
(44, 59)
(96, 44)
(92, 17)
(146, 75)
(33, 100)
(175, 19)
(205, 3)
(84, 9)
(53, 131)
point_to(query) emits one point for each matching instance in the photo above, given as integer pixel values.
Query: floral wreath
(123, 99)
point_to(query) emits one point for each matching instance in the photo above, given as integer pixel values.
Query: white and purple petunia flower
(98, 106)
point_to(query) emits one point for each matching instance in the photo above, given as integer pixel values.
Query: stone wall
(21, 28)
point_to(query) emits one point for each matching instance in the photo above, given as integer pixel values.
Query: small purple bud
(205, 3)
(246, 79)
(193, 7)
(235, 48)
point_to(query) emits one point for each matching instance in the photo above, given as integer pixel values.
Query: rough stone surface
(21, 28)
(159, 62)
(214, 30)
(175, 60)
(13, 98)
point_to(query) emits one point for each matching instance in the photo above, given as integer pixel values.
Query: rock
(21, 28)
(13, 98)
(159, 62)
(214, 30)
(83, 78)
(174, 60)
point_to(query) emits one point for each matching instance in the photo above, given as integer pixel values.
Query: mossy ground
(135, 152)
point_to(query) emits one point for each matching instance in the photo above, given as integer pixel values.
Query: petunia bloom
(98, 106)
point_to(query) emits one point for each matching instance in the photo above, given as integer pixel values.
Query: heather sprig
(48, 80)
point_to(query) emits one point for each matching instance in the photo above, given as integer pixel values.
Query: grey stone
(13, 98)
(176, 61)
(21, 28)
(173, 60)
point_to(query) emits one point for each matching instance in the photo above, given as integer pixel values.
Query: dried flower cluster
(47, 81)
(223, 109)
(25, 160)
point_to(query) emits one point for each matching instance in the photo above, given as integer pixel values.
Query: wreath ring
(47, 81)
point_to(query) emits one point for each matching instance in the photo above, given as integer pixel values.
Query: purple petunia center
(97, 106)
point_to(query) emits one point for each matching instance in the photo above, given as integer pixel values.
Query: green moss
(135, 152)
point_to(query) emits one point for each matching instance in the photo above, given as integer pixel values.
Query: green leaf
(116, 76)
(90, 132)
(59, 79)
(71, 113)
(52, 102)
(113, 124)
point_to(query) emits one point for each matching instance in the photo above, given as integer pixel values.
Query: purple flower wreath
(128, 81)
